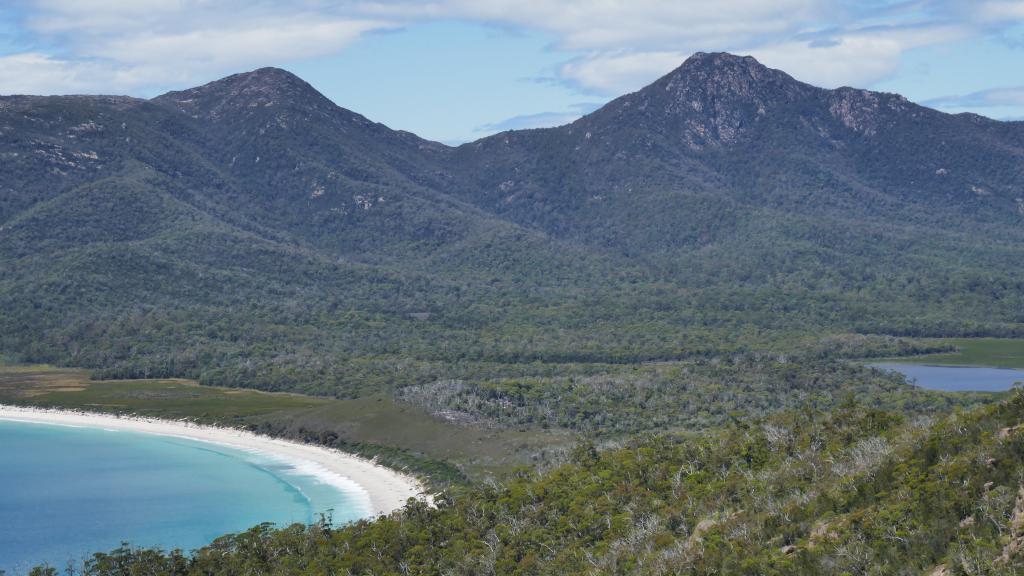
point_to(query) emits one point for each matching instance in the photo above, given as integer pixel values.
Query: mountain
(724, 144)
(251, 232)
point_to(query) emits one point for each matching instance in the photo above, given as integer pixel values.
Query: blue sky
(456, 70)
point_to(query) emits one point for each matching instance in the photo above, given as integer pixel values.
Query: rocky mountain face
(301, 163)
(688, 171)
(712, 100)
(729, 125)
(722, 180)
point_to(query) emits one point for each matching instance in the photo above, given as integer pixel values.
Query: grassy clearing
(993, 352)
(374, 426)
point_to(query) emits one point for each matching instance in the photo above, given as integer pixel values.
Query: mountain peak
(721, 60)
(267, 77)
(262, 88)
(722, 74)
(711, 99)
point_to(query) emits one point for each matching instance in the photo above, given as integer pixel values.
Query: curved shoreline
(384, 490)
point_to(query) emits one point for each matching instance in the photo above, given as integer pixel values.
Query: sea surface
(66, 492)
(957, 378)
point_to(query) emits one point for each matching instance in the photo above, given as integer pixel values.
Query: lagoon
(956, 378)
(69, 491)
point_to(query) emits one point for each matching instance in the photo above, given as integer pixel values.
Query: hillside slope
(727, 172)
(251, 232)
(855, 491)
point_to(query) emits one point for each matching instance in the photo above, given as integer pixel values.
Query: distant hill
(251, 232)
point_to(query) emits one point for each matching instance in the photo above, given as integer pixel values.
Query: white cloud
(142, 45)
(538, 120)
(1000, 11)
(857, 58)
(638, 24)
(628, 44)
(616, 45)
(246, 45)
(994, 97)
(853, 59)
(98, 16)
(615, 74)
(35, 73)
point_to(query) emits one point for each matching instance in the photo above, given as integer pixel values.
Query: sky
(457, 70)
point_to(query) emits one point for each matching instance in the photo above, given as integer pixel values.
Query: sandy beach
(382, 489)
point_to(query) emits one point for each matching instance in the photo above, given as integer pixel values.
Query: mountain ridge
(699, 61)
(651, 228)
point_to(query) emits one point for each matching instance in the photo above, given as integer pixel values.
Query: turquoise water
(66, 492)
(957, 378)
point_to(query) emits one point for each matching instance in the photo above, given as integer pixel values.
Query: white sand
(382, 490)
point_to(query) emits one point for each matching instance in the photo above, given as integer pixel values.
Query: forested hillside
(854, 491)
(250, 232)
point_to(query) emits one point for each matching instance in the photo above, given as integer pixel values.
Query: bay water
(66, 492)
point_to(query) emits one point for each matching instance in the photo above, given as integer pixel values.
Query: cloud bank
(615, 45)
(1003, 96)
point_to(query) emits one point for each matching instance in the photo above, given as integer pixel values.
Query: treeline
(308, 340)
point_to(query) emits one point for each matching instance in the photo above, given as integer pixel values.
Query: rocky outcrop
(863, 111)
(1014, 550)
